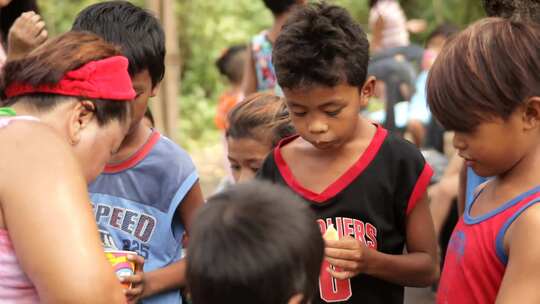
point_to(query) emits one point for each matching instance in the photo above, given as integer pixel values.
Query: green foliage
(60, 14)
(206, 29)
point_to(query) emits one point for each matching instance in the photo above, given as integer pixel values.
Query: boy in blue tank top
(145, 199)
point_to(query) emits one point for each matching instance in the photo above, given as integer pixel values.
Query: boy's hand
(135, 293)
(348, 254)
(27, 32)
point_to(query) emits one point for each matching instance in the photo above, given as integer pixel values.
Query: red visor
(101, 79)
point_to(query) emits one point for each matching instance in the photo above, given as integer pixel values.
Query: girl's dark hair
(484, 72)
(231, 63)
(47, 64)
(254, 243)
(11, 12)
(262, 116)
(372, 3)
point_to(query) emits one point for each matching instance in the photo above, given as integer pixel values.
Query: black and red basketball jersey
(369, 202)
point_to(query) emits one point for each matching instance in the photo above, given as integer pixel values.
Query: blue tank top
(135, 205)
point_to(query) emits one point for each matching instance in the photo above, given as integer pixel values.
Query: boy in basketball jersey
(369, 184)
(145, 199)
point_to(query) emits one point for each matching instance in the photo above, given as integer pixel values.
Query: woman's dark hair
(47, 64)
(231, 63)
(11, 12)
(136, 30)
(485, 72)
(321, 44)
(261, 116)
(254, 243)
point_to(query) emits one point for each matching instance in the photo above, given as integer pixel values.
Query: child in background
(256, 125)
(231, 65)
(492, 255)
(356, 176)
(254, 243)
(419, 116)
(148, 193)
(259, 73)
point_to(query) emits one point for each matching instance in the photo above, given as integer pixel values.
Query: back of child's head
(48, 64)
(134, 29)
(321, 44)
(523, 10)
(231, 63)
(279, 7)
(485, 72)
(261, 116)
(254, 243)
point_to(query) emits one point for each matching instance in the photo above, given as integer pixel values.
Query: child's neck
(132, 143)
(524, 176)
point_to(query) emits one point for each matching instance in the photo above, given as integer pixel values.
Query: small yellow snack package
(331, 233)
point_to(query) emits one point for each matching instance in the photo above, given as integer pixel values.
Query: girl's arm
(174, 275)
(522, 274)
(49, 219)
(418, 267)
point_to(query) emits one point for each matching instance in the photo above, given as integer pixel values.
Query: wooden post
(165, 105)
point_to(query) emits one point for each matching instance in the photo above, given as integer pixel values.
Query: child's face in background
(327, 117)
(246, 156)
(495, 146)
(142, 84)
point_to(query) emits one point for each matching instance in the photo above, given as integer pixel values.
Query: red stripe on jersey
(420, 188)
(343, 181)
(135, 158)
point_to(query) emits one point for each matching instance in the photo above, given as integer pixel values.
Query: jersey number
(331, 289)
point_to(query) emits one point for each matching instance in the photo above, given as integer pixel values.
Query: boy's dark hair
(134, 29)
(485, 72)
(261, 116)
(514, 9)
(11, 12)
(445, 30)
(254, 243)
(279, 7)
(231, 63)
(50, 62)
(321, 44)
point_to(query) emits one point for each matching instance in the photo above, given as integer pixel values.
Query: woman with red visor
(65, 113)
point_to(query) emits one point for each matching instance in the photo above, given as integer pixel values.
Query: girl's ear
(531, 113)
(81, 116)
(367, 90)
